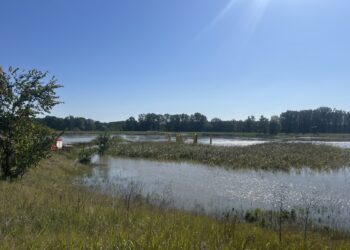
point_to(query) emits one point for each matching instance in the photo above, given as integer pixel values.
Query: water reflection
(74, 139)
(216, 190)
(338, 144)
(216, 141)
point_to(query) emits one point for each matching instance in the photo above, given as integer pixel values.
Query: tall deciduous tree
(23, 141)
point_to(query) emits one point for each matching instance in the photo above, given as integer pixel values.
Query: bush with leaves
(85, 156)
(103, 143)
(23, 142)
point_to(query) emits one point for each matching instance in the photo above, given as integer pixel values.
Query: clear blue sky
(223, 58)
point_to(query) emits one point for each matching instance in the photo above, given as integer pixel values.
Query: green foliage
(275, 125)
(85, 155)
(321, 120)
(103, 143)
(24, 142)
(263, 125)
(72, 123)
(252, 216)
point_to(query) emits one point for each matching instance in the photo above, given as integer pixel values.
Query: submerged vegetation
(46, 210)
(269, 156)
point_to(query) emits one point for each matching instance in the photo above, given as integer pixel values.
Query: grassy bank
(272, 156)
(45, 210)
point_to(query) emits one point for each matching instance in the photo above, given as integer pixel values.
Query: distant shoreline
(301, 137)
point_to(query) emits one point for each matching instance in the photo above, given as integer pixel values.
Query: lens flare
(222, 13)
(256, 11)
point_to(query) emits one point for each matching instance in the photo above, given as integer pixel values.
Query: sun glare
(256, 11)
(223, 13)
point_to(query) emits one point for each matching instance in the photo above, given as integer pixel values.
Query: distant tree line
(71, 123)
(321, 120)
(199, 123)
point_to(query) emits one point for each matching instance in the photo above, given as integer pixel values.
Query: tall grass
(270, 156)
(45, 210)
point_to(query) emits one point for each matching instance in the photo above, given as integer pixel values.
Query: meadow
(48, 210)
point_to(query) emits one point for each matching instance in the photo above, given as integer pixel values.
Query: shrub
(252, 216)
(103, 143)
(23, 141)
(85, 156)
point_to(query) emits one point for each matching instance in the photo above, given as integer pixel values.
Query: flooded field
(339, 144)
(144, 138)
(78, 138)
(214, 190)
(216, 141)
(221, 141)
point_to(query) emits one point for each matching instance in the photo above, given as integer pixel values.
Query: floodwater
(216, 141)
(144, 138)
(228, 142)
(338, 144)
(214, 190)
(78, 138)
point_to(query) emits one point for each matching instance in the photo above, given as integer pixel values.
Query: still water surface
(215, 190)
(216, 141)
(79, 138)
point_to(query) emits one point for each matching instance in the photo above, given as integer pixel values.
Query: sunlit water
(233, 142)
(216, 141)
(216, 190)
(338, 144)
(74, 139)
(144, 138)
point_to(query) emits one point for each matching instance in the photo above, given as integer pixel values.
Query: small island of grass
(269, 156)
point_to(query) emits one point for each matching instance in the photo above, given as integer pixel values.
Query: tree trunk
(6, 162)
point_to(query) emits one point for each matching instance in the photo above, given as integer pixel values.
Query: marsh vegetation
(269, 156)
